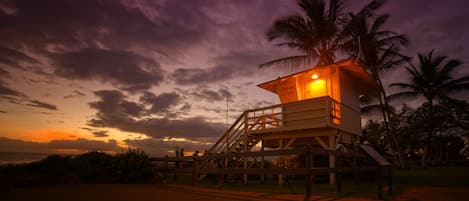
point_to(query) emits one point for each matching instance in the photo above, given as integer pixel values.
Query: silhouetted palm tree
(317, 33)
(433, 79)
(378, 51)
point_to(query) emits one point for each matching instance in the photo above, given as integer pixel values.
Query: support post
(337, 177)
(379, 181)
(354, 158)
(390, 175)
(262, 162)
(195, 170)
(221, 171)
(332, 146)
(281, 181)
(245, 160)
(308, 176)
(166, 169)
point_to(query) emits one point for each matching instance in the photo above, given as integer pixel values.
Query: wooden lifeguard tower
(319, 107)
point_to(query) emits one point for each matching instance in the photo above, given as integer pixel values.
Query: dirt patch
(134, 192)
(434, 194)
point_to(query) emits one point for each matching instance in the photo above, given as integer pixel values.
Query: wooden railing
(312, 113)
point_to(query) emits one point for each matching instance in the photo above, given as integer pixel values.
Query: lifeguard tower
(319, 107)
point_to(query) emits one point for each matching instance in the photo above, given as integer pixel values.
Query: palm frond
(403, 95)
(291, 61)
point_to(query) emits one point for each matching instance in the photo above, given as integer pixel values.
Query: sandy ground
(123, 192)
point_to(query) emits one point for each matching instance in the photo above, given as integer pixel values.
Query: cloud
(115, 111)
(126, 70)
(212, 96)
(162, 103)
(39, 104)
(234, 64)
(166, 146)
(160, 127)
(75, 94)
(142, 23)
(7, 91)
(13, 58)
(114, 103)
(100, 134)
(56, 146)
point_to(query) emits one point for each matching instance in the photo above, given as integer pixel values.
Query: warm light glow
(315, 76)
(316, 88)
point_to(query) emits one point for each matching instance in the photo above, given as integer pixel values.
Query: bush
(132, 166)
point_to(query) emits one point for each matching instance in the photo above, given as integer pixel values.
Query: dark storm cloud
(123, 69)
(39, 104)
(115, 111)
(233, 64)
(162, 103)
(69, 22)
(159, 127)
(114, 103)
(55, 146)
(84, 39)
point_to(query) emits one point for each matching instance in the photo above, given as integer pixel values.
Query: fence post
(379, 181)
(166, 169)
(222, 173)
(195, 170)
(390, 175)
(308, 176)
(337, 176)
(262, 161)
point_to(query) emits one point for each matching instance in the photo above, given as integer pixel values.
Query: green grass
(441, 177)
(403, 179)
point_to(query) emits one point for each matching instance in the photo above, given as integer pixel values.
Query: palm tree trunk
(426, 153)
(392, 134)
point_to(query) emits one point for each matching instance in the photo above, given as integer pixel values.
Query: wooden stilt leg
(262, 162)
(332, 146)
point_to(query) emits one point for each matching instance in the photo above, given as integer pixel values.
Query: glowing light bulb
(315, 76)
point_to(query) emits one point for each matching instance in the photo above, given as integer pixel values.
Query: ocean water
(18, 158)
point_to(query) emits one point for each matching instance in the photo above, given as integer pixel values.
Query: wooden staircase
(239, 138)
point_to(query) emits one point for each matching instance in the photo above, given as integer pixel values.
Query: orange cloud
(49, 134)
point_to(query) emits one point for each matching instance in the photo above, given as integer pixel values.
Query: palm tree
(317, 33)
(433, 79)
(378, 51)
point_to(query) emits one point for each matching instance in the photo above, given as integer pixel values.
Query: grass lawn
(403, 180)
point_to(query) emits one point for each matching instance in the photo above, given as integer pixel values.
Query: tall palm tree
(433, 79)
(317, 33)
(378, 51)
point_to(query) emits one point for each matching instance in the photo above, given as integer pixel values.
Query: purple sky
(77, 75)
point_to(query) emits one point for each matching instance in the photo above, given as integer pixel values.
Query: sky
(156, 75)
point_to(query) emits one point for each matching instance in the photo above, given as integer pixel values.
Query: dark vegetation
(132, 166)
(433, 132)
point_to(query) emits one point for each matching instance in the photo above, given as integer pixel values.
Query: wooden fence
(199, 165)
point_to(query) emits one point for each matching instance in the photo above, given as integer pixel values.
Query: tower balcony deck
(310, 114)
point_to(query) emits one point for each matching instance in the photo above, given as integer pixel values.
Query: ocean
(19, 157)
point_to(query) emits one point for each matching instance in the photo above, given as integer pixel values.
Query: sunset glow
(160, 75)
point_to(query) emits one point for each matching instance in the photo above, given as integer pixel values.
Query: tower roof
(350, 67)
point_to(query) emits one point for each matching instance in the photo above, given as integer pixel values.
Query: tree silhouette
(433, 79)
(378, 51)
(317, 33)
